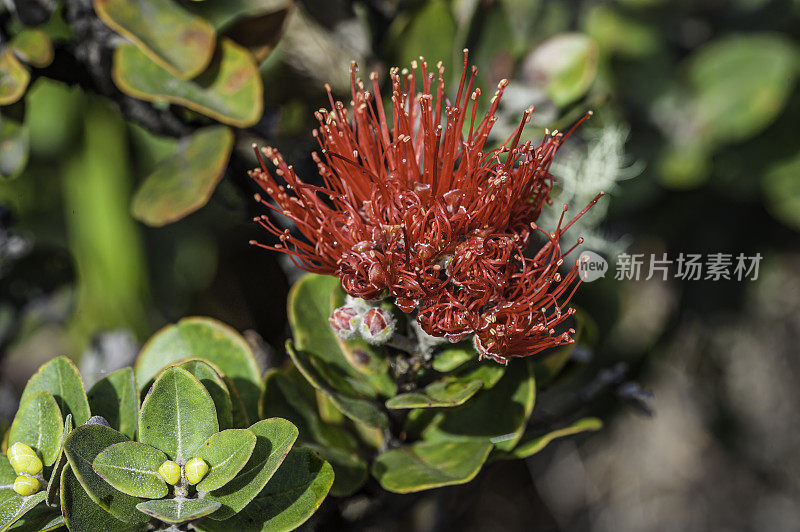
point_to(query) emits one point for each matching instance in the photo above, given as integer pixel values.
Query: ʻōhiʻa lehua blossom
(418, 208)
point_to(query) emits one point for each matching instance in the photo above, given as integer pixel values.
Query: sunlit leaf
(229, 90)
(178, 41)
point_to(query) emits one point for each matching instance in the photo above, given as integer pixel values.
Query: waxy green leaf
(226, 453)
(352, 406)
(54, 483)
(61, 378)
(293, 494)
(13, 506)
(41, 517)
(81, 512)
(288, 395)
(185, 180)
(39, 424)
(425, 465)
(178, 510)
(352, 367)
(229, 91)
(498, 415)
(116, 398)
(217, 388)
(274, 438)
(177, 415)
(132, 468)
(178, 41)
(210, 340)
(81, 447)
(529, 447)
(446, 392)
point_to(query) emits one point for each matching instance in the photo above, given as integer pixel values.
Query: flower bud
(24, 459)
(170, 471)
(377, 325)
(344, 321)
(25, 485)
(195, 469)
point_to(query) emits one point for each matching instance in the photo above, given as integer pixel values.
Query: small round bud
(195, 469)
(344, 321)
(377, 325)
(24, 459)
(25, 485)
(170, 471)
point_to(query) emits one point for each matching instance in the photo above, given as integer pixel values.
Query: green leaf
(132, 468)
(168, 34)
(41, 517)
(352, 367)
(177, 415)
(33, 46)
(453, 356)
(742, 83)
(61, 378)
(430, 33)
(178, 510)
(226, 453)
(532, 446)
(230, 90)
(498, 415)
(54, 484)
(14, 147)
(217, 388)
(274, 438)
(116, 398)
(425, 465)
(620, 34)
(293, 494)
(287, 394)
(782, 192)
(82, 446)
(446, 392)
(355, 408)
(261, 32)
(351, 470)
(39, 424)
(366, 359)
(565, 66)
(13, 506)
(185, 180)
(210, 340)
(14, 78)
(485, 371)
(81, 512)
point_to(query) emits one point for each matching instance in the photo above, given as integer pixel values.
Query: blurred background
(125, 205)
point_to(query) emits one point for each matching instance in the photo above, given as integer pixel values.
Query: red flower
(404, 200)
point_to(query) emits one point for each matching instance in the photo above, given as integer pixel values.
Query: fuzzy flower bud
(377, 325)
(170, 471)
(195, 469)
(24, 459)
(344, 321)
(25, 485)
